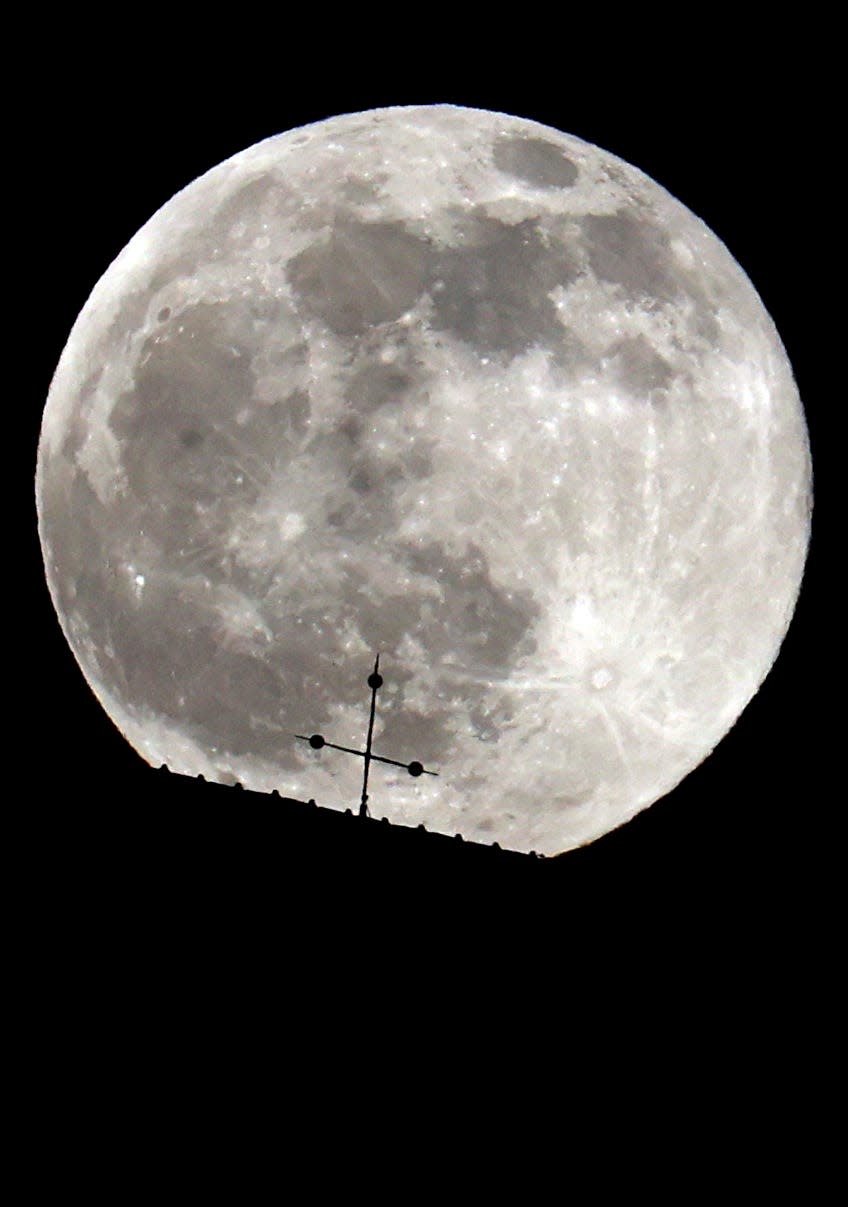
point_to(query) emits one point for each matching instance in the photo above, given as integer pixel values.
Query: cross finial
(317, 741)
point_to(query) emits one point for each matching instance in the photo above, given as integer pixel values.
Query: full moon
(450, 387)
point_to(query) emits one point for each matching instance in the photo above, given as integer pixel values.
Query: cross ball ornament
(318, 742)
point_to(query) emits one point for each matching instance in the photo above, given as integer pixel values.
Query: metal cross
(375, 682)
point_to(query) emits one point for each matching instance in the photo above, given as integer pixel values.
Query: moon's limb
(455, 387)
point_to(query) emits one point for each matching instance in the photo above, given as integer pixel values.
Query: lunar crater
(535, 161)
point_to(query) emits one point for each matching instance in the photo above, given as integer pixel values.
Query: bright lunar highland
(456, 388)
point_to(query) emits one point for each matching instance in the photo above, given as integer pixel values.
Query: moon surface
(451, 387)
